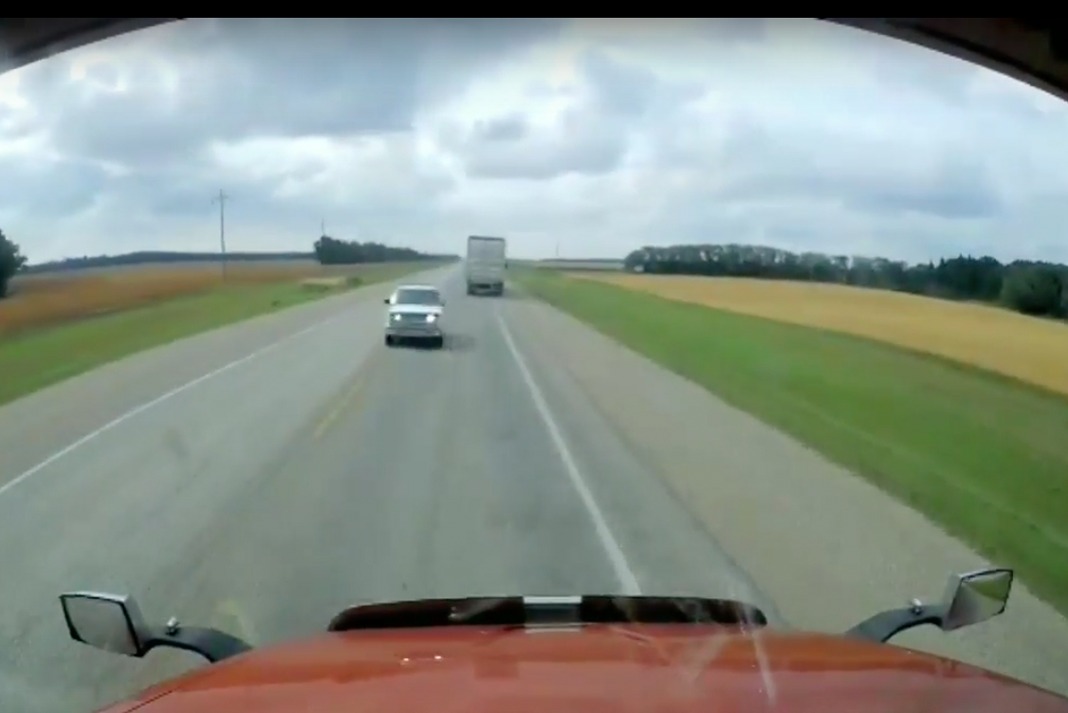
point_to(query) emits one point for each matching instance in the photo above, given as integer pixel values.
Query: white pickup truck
(415, 313)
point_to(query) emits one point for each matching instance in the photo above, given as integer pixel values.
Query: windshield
(417, 297)
(763, 310)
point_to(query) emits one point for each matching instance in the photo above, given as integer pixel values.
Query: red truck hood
(593, 669)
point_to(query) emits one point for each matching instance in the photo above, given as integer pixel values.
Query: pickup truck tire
(389, 341)
(439, 343)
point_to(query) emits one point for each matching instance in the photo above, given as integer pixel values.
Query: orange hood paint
(592, 669)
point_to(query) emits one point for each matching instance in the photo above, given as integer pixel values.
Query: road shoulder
(828, 547)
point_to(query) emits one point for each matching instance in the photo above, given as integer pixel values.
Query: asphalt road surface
(262, 477)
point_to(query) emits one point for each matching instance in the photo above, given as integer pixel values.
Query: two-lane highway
(261, 477)
(327, 469)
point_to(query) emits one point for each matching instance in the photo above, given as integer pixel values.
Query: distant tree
(156, 257)
(331, 251)
(11, 261)
(1034, 289)
(1028, 287)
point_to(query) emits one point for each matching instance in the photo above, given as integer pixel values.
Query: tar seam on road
(623, 571)
(122, 418)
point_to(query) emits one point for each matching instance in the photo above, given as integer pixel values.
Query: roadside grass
(35, 358)
(981, 454)
(1032, 349)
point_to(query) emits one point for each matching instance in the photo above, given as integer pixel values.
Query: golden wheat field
(1029, 349)
(48, 299)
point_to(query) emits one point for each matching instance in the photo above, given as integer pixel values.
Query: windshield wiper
(548, 611)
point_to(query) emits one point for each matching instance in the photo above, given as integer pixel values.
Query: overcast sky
(593, 137)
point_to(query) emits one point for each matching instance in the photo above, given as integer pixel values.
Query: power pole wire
(222, 198)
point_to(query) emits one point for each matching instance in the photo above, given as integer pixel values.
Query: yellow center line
(353, 391)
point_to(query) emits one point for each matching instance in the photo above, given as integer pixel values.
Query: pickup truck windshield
(417, 297)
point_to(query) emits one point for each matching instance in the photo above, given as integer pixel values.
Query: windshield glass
(417, 297)
(764, 310)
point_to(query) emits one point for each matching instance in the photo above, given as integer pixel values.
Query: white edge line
(158, 400)
(615, 553)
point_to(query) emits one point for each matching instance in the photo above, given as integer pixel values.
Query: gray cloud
(512, 127)
(50, 187)
(618, 88)
(591, 137)
(257, 77)
(508, 148)
(896, 66)
(764, 163)
(799, 134)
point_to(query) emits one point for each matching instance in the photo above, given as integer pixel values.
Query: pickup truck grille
(410, 319)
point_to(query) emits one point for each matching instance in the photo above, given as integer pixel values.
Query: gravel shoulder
(827, 547)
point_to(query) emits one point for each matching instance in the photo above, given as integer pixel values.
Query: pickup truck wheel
(389, 341)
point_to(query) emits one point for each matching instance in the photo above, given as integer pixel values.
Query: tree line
(153, 257)
(327, 250)
(331, 251)
(1029, 287)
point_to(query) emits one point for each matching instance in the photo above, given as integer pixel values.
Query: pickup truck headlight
(431, 318)
(395, 317)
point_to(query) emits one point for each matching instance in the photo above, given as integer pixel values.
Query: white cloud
(595, 135)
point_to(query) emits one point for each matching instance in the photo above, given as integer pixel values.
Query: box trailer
(486, 264)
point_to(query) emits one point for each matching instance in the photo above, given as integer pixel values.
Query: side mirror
(386, 300)
(969, 599)
(975, 597)
(113, 623)
(107, 621)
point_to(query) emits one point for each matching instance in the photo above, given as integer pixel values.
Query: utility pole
(222, 198)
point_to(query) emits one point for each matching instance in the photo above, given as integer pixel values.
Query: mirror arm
(212, 644)
(888, 624)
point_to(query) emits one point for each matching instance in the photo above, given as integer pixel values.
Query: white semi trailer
(486, 263)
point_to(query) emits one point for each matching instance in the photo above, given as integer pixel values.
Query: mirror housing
(113, 622)
(106, 621)
(975, 597)
(970, 598)
(386, 301)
